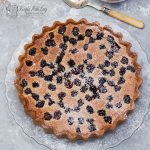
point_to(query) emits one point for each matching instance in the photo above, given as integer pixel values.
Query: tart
(78, 79)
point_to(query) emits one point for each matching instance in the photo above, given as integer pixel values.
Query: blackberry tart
(78, 79)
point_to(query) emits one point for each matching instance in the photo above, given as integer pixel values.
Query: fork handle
(122, 17)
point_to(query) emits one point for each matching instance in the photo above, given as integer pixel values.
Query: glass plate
(110, 139)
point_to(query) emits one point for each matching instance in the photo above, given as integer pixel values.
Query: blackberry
(109, 54)
(74, 93)
(105, 72)
(114, 64)
(77, 82)
(131, 68)
(48, 78)
(89, 81)
(82, 75)
(78, 130)
(32, 51)
(77, 109)
(88, 97)
(90, 68)
(57, 114)
(117, 88)
(84, 89)
(23, 83)
(111, 83)
(89, 56)
(85, 47)
(32, 73)
(67, 75)
(91, 40)
(40, 73)
(109, 98)
(93, 89)
(122, 71)
(63, 46)
(81, 67)
(115, 48)
(118, 105)
(121, 80)
(102, 89)
(89, 109)
(73, 41)
(109, 106)
(75, 31)
(61, 95)
(124, 60)
(65, 39)
(74, 51)
(71, 63)
(40, 104)
(27, 91)
(81, 120)
(50, 43)
(62, 29)
(59, 79)
(44, 50)
(47, 116)
(50, 102)
(80, 102)
(60, 68)
(43, 63)
(85, 61)
(127, 99)
(92, 127)
(52, 87)
(110, 39)
(68, 84)
(88, 32)
(106, 63)
(35, 96)
(101, 66)
(35, 84)
(111, 72)
(90, 120)
(102, 46)
(61, 104)
(80, 37)
(29, 63)
(101, 112)
(51, 35)
(58, 59)
(108, 119)
(96, 95)
(54, 72)
(101, 80)
(47, 96)
(99, 36)
(51, 65)
(67, 110)
(75, 71)
(70, 120)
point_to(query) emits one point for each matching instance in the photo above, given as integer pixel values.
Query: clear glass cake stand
(110, 139)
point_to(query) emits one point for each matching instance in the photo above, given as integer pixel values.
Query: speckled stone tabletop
(18, 18)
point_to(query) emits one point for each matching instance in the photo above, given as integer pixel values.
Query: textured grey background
(13, 28)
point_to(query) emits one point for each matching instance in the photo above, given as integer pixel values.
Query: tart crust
(67, 133)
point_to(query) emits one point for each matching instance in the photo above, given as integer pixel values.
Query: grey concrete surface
(14, 27)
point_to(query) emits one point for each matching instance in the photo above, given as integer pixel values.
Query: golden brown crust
(36, 113)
